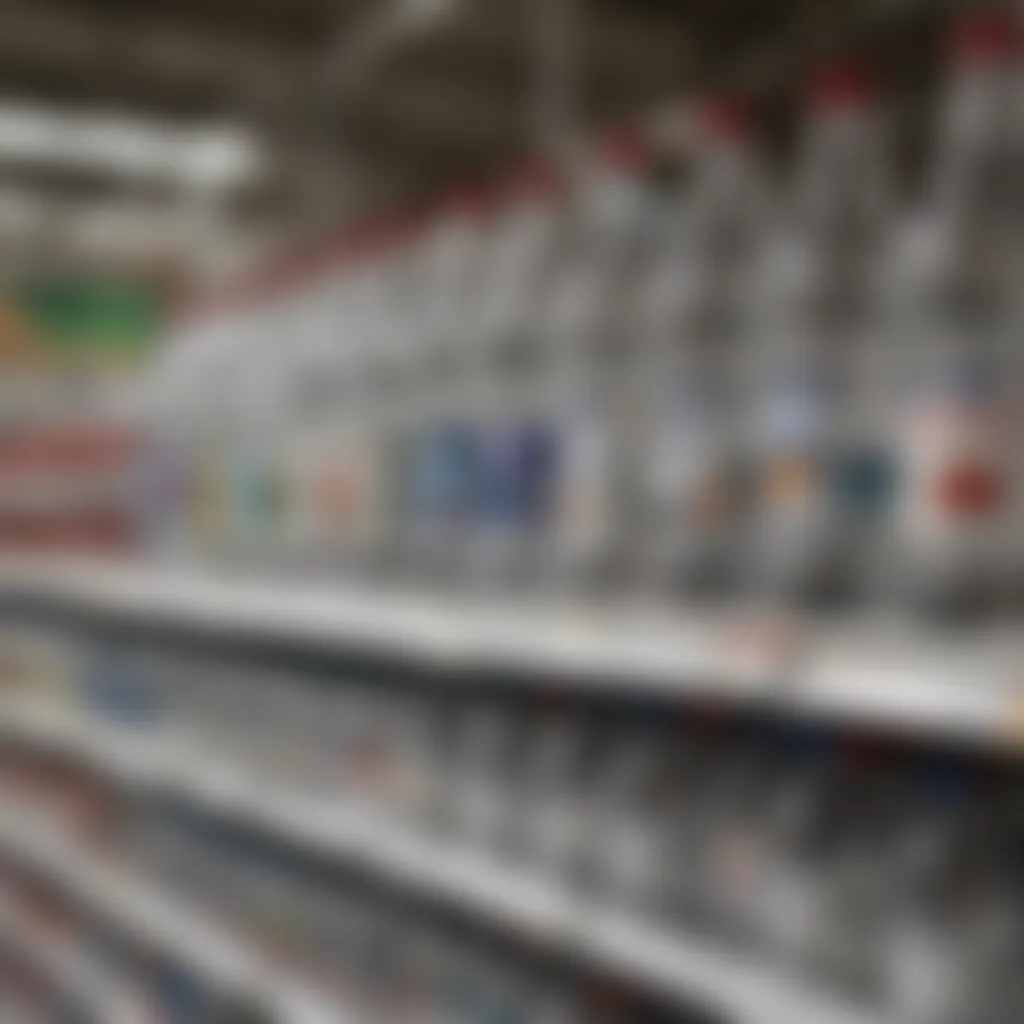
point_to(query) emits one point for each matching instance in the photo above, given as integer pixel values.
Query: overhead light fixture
(217, 156)
(220, 158)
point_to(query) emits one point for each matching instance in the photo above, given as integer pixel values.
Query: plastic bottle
(258, 472)
(954, 538)
(693, 331)
(303, 530)
(502, 349)
(209, 511)
(356, 490)
(817, 485)
(575, 392)
(442, 438)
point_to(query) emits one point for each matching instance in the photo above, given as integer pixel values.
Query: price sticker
(761, 649)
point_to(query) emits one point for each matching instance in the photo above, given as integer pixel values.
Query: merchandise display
(874, 870)
(590, 597)
(796, 385)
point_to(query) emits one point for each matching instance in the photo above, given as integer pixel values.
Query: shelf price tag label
(760, 649)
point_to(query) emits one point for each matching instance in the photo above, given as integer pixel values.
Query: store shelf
(64, 967)
(963, 684)
(159, 918)
(741, 652)
(522, 902)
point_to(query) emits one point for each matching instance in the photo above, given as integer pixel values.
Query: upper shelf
(877, 672)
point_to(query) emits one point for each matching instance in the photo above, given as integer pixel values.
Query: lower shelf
(157, 917)
(676, 967)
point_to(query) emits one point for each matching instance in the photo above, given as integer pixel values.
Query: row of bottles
(806, 385)
(371, 953)
(882, 872)
(74, 969)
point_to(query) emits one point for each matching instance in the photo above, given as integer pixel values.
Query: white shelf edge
(145, 911)
(56, 961)
(879, 675)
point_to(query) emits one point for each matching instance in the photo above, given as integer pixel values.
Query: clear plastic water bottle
(389, 345)
(816, 482)
(211, 493)
(692, 317)
(958, 360)
(504, 350)
(309, 451)
(577, 388)
(441, 436)
(255, 488)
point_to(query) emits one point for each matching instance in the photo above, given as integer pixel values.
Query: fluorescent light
(105, 144)
(220, 158)
(214, 156)
(26, 133)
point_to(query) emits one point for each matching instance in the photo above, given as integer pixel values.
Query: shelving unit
(85, 988)
(680, 969)
(145, 911)
(323, 799)
(965, 687)
(961, 684)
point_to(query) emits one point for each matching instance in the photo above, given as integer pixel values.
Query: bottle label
(343, 493)
(207, 497)
(957, 436)
(690, 476)
(338, 491)
(863, 482)
(518, 474)
(798, 407)
(446, 477)
(259, 494)
(583, 510)
(796, 429)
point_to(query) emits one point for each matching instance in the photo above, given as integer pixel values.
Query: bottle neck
(842, 185)
(610, 202)
(723, 203)
(975, 146)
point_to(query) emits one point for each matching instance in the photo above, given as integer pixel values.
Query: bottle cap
(842, 85)
(985, 38)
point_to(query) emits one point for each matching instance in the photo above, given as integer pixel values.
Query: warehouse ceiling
(308, 109)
